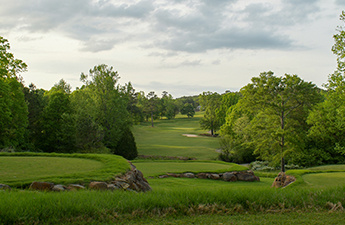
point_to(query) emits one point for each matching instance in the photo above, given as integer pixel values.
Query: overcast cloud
(172, 41)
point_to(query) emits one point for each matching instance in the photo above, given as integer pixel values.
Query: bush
(126, 147)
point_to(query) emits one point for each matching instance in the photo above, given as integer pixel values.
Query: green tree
(151, 106)
(57, 124)
(277, 108)
(188, 110)
(168, 106)
(327, 119)
(36, 103)
(210, 102)
(109, 103)
(13, 118)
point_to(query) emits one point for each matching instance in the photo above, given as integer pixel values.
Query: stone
(229, 176)
(282, 180)
(5, 187)
(214, 176)
(246, 176)
(202, 175)
(112, 187)
(97, 185)
(174, 175)
(41, 186)
(188, 175)
(59, 187)
(74, 187)
(163, 176)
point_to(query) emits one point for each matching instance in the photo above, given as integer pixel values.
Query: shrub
(126, 147)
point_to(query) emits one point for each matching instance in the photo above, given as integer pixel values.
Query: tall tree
(279, 107)
(109, 103)
(210, 102)
(327, 119)
(13, 118)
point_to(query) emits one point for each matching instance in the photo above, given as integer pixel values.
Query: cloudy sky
(180, 46)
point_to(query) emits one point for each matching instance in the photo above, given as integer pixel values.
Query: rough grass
(166, 139)
(23, 168)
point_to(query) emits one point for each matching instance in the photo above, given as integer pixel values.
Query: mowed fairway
(31, 168)
(166, 139)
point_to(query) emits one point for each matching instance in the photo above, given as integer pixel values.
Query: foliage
(13, 109)
(271, 116)
(188, 110)
(327, 119)
(109, 106)
(127, 147)
(210, 102)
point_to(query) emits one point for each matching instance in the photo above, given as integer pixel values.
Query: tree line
(96, 117)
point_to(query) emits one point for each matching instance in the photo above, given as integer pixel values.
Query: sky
(183, 47)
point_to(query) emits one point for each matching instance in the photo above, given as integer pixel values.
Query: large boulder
(246, 176)
(282, 180)
(41, 186)
(132, 180)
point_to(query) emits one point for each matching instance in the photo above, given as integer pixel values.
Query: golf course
(317, 196)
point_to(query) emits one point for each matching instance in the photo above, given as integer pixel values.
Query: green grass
(325, 179)
(206, 197)
(155, 168)
(166, 139)
(23, 168)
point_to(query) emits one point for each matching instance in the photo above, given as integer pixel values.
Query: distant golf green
(168, 138)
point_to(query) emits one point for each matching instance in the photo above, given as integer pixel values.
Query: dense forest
(280, 119)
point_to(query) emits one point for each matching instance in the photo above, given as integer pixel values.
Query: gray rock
(188, 175)
(59, 187)
(97, 185)
(229, 176)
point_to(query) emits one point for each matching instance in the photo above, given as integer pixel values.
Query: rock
(282, 180)
(74, 187)
(214, 176)
(188, 175)
(229, 176)
(163, 176)
(112, 187)
(41, 186)
(246, 176)
(59, 187)
(5, 187)
(96, 185)
(174, 175)
(202, 175)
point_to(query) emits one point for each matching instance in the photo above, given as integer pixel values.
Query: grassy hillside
(23, 168)
(166, 139)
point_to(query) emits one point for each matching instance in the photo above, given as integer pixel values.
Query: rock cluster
(133, 180)
(227, 176)
(283, 180)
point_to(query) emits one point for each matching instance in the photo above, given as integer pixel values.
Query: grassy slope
(23, 168)
(165, 139)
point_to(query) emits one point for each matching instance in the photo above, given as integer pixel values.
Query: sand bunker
(190, 135)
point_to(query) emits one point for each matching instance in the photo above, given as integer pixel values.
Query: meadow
(317, 197)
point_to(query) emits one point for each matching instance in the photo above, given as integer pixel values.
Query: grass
(23, 168)
(155, 168)
(166, 139)
(205, 200)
